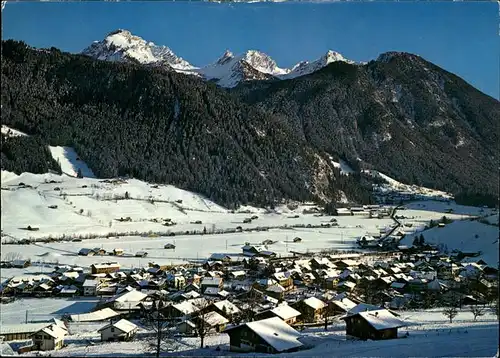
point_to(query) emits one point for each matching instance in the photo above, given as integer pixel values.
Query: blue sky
(461, 37)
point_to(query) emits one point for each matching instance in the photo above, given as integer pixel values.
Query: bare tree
(450, 312)
(11, 256)
(202, 327)
(161, 326)
(477, 310)
(496, 308)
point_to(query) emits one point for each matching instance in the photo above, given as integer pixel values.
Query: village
(294, 280)
(260, 301)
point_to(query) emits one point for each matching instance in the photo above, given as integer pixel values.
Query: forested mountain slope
(161, 126)
(400, 114)
(260, 142)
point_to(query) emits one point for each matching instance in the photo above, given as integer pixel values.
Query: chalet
(270, 335)
(213, 265)
(216, 282)
(225, 308)
(311, 309)
(122, 330)
(212, 321)
(276, 291)
(284, 279)
(104, 267)
(251, 250)
(239, 274)
(186, 308)
(285, 312)
(49, 338)
(375, 324)
(177, 281)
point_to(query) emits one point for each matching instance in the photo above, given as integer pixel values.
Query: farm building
(270, 335)
(376, 324)
(122, 330)
(100, 315)
(20, 263)
(105, 267)
(86, 252)
(15, 332)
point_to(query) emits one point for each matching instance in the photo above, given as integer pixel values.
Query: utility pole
(26, 319)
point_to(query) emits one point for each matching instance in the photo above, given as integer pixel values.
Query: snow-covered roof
(382, 319)
(106, 265)
(90, 283)
(227, 306)
(100, 315)
(123, 325)
(238, 273)
(276, 333)
(190, 306)
(276, 288)
(314, 303)
(213, 319)
(282, 275)
(22, 328)
(211, 281)
(345, 304)
(285, 312)
(131, 296)
(362, 307)
(54, 331)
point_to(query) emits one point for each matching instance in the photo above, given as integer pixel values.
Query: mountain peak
(122, 46)
(227, 56)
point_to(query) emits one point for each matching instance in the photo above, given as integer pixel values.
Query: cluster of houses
(259, 300)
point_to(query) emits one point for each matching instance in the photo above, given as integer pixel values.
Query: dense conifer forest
(259, 143)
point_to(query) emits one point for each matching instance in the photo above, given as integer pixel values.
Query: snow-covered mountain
(304, 68)
(121, 45)
(227, 71)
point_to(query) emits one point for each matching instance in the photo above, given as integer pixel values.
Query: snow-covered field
(65, 205)
(466, 236)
